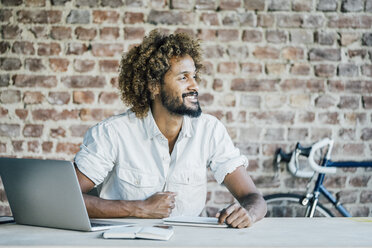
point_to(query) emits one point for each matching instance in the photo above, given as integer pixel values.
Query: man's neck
(169, 124)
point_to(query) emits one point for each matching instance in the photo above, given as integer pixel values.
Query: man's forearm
(101, 208)
(255, 204)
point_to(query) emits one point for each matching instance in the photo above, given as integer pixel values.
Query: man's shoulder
(119, 119)
(207, 120)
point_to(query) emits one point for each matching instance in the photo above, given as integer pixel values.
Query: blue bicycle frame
(320, 189)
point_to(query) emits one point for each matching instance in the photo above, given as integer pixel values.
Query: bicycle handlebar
(314, 148)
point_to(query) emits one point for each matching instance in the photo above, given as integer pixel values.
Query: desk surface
(269, 232)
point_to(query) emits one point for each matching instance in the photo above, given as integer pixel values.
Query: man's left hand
(235, 216)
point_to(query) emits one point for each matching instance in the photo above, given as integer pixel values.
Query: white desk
(270, 232)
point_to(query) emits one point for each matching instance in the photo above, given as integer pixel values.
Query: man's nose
(193, 85)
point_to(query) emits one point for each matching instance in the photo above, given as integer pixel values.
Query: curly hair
(144, 66)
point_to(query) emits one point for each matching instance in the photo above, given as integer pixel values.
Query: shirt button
(137, 182)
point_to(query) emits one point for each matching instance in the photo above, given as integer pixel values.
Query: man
(152, 160)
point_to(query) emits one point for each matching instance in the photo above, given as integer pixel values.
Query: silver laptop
(47, 193)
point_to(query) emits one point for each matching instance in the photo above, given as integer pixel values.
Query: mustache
(193, 93)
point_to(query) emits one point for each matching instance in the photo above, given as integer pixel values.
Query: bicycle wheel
(289, 205)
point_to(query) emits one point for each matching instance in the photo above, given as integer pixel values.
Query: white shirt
(130, 156)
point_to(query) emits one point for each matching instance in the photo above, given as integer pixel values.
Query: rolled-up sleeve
(96, 157)
(225, 156)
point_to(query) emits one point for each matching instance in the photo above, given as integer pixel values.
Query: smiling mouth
(191, 96)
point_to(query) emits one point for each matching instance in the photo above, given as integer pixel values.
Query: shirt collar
(152, 129)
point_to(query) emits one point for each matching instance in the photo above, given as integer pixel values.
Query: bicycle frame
(320, 189)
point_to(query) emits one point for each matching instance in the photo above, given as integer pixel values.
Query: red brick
(31, 130)
(329, 118)
(85, 33)
(95, 114)
(114, 82)
(306, 117)
(33, 146)
(346, 21)
(300, 100)
(10, 96)
(367, 70)
(158, 4)
(76, 48)
(35, 3)
(4, 46)
(349, 102)
(5, 15)
(57, 132)
(80, 97)
(207, 34)
(355, 118)
(366, 196)
(107, 50)
(109, 33)
(60, 33)
(251, 68)
(188, 31)
(39, 31)
(78, 130)
(265, 20)
(276, 36)
(34, 65)
(23, 47)
(213, 51)
(22, 113)
(325, 101)
(362, 53)
(10, 32)
(353, 86)
(275, 68)
(218, 85)
(17, 145)
(274, 134)
(252, 36)
(227, 67)
(9, 130)
(300, 69)
(133, 17)
(83, 81)
(131, 33)
(324, 70)
(47, 146)
(209, 19)
(366, 134)
(10, 64)
(289, 20)
(48, 49)
(206, 99)
(302, 5)
(313, 85)
(266, 52)
(293, 53)
(108, 65)
(34, 81)
(59, 65)
(205, 4)
(170, 17)
(52, 114)
(226, 35)
(254, 85)
(336, 85)
(359, 181)
(85, 65)
(230, 4)
(3, 112)
(349, 38)
(39, 16)
(254, 5)
(296, 134)
(105, 16)
(59, 98)
(346, 134)
(181, 4)
(367, 102)
(68, 148)
(275, 101)
(33, 97)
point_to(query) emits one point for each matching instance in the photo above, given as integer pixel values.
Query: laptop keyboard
(95, 224)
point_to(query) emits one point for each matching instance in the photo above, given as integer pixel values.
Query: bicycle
(307, 205)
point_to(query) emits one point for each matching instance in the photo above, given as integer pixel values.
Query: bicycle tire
(289, 205)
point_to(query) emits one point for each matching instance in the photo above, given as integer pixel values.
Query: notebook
(157, 232)
(47, 193)
(193, 221)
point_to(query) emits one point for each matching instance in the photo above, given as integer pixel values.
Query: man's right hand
(159, 205)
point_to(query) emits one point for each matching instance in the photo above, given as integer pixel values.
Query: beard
(178, 107)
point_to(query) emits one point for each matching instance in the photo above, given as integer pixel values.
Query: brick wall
(277, 72)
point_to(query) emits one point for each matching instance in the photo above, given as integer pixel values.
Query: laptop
(47, 193)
